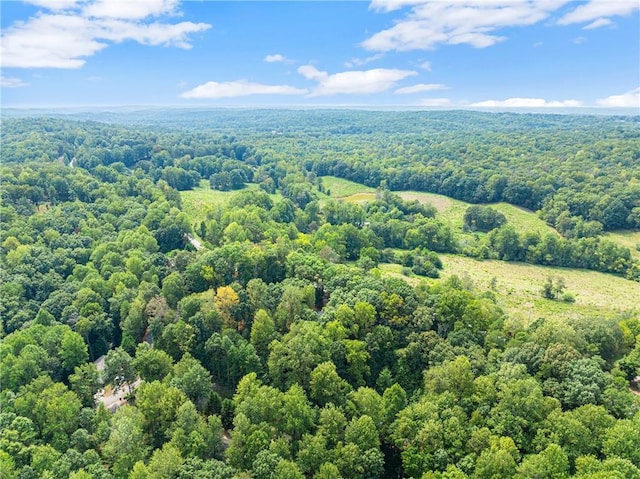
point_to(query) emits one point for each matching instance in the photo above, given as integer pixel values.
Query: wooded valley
(322, 294)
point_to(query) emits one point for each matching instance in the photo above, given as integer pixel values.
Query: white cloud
(130, 10)
(165, 34)
(420, 87)
(12, 82)
(599, 10)
(390, 5)
(579, 40)
(426, 66)
(275, 58)
(53, 4)
(238, 88)
(312, 73)
(437, 102)
(358, 62)
(631, 99)
(432, 22)
(600, 22)
(65, 39)
(353, 82)
(527, 103)
(56, 41)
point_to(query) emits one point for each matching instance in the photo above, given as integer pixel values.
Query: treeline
(577, 170)
(614, 210)
(597, 254)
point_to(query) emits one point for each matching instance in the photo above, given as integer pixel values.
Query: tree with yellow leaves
(226, 300)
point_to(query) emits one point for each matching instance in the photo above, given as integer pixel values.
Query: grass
(453, 211)
(196, 202)
(360, 197)
(340, 188)
(450, 209)
(518, 285)
(627, 238)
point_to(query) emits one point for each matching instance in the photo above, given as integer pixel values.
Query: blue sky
(431, 53)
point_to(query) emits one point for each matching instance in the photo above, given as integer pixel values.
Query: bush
(482, 218)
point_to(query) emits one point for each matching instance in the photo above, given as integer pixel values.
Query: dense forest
(261, 338)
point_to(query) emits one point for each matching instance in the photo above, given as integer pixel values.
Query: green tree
(159, 404)
(287, 470)
(326, 386)
(294, 357)
(173, 289)
(328, 471)
(194, 380)
(585, 383)
(263, 331)
(126, 444)
(299, 416)
(194, 436)
(363, 433)
(165, 463)
(85, 382)
(73, 351)
(118, 369)
(265, 464)
(552, 463)
(152, 364)
(622, 440)
(453, 376)
(357, 358)
(498, 461)
(57, 413)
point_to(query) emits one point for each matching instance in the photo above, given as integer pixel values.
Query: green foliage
(270, 329)
(326, 386)
(190, 377)
(306, 346)
(483, 218)
(126, 444)
(119, 370)
(151, 364)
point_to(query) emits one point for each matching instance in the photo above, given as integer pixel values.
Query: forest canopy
(261, 336)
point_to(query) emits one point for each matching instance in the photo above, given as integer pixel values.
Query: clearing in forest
(341, 188)
(196, 202)
(453, 210)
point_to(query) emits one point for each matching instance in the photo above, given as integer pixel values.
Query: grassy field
(453, 211)
(518, 285)
(450, 209)
(630, 239)
(360, 197)
(196, 202)
(339, 188)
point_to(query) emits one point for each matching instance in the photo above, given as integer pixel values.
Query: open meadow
(518, 287)
(196, 202)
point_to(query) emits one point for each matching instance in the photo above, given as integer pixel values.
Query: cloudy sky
(431, 53)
